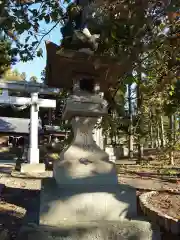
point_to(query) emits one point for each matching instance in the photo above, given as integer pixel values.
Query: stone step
(103, 230)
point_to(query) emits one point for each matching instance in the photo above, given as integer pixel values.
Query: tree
(130, 121)
(6, 56)
(33, 79)
(13, 75)
(23, 76)
(19, 17)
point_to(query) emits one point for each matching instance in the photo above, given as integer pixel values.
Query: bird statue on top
(77, 32)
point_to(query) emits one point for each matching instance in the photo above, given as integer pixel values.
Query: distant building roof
(53, 128)
(21, 126)
(15, 125)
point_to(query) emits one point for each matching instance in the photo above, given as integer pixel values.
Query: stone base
(103, 230)
(33, 168)
(73, 204)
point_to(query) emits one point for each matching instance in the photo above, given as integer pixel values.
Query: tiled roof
(16, 125)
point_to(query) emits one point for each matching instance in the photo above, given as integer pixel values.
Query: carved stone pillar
(84, 162)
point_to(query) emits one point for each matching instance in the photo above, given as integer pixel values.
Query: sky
(35, 67)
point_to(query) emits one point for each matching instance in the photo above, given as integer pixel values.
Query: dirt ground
(19, 202)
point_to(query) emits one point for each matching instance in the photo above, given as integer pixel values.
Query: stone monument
(84, 171)
(83, 200)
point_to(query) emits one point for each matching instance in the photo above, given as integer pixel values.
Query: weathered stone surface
(85, 104)
(65, 65)
(122, 230)
(32, 168)
(84, 162)
(71, 204)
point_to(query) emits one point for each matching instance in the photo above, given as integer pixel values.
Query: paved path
(149, 184)
(125, 162)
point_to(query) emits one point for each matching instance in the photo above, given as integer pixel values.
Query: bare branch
(46, 34)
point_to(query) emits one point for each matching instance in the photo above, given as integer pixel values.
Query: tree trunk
(171, 139)
(131, 138)
(162, 132)
(175, 128)
(140, 129)
(158, 136)
(171, 62)
(151, 130)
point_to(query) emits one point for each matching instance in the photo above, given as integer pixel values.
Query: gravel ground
(15, 210)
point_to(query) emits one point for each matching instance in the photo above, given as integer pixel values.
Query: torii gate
(35, 103)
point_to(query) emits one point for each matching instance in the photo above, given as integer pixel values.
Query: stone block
(84, 104)
(71, 204)
(33, 168)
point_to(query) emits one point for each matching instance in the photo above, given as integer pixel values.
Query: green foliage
(14, 75)
(6, 56)
(170, 172)
(17, 19)
(33, 79)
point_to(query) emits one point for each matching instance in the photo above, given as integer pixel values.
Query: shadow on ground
(149, 175)
(9, 218)
(25, 198)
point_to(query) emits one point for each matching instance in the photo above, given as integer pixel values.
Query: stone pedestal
(73, 204)
(33, 168)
